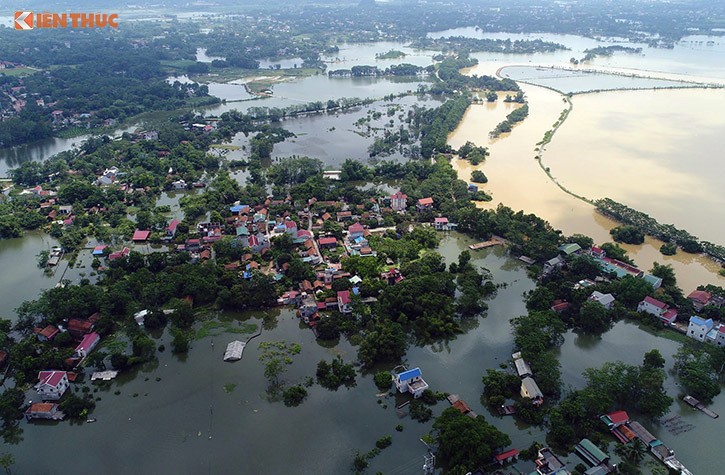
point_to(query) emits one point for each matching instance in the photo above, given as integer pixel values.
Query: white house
(699, 327)
(720, 340)
(606, 300)
(522, 367)
(531, 390)
(553, 263)
(344, 302)
(52, 384)
(652, 306)
(411, 381)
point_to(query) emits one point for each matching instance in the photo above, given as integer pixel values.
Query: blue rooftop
(410, 374)
(237, 208)
(701, 321)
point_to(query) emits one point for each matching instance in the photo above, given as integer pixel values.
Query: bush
(383, 380)
(668, 249)
(294, 395)
(420, 412)
(627, 234)
(384, 442)
(429, 397)
(479, 177)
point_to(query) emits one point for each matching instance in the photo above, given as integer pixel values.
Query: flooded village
(407, 270)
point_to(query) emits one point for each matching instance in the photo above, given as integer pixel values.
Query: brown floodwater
(517, 180)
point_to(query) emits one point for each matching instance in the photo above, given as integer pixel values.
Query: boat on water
(92, 419)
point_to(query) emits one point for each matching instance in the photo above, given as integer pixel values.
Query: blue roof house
(699, 327)
(411, 381)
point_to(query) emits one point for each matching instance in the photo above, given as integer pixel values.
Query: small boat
(92, 419)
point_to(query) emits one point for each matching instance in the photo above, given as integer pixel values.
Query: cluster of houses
(529, 388)
(52, 384)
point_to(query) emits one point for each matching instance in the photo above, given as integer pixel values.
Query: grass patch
(15, 72)
(216, 328)
(178, 63)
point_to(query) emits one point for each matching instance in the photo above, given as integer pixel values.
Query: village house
(606, 300)
(424, 204)
(547, 463)
(44, 410)
(328, 242)
(356, 231)
(87, 344)
(119, 254)
(553, 264)
(441, 224)
(344, 302)
(522, 367)
(308, 307)
(699, 299)
(171, 228)
(569, 249)
(179, 185)
(46, 334)
(659, 309)
(410, 381)
(291, 228)
(140, 317)
(699, 328)
(140, 236)
(530, 389)
(398, 201)
(52, 384)
(78, 327)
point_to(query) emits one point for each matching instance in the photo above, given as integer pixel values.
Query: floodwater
(517, 180)
(175, 415)
(576, 81)
(652, 150)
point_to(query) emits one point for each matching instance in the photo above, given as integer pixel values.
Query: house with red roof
(290, 228)
(424, 203)
(328, 242)
(356, 230)
(140, 236)
(398, 201)
(119, 254)
(507, 457)
(344, 302)
(78, 327)
(47, 333)
(44, 410)
(699, 299)
(441, 224)
(87, 344)
(171, 228)
(659, 309)
(52, 384)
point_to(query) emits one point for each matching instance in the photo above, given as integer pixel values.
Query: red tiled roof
(290, 224)
(173, 224)
(356, 228)
(49, 332)
(425, 201)
(140, 235)
(41, 407)
(88, 341)
(76, 325)
(506, 455)
(441, 220)
(618, 417)
(51, 378)
(655, 302)
(700, 296)
(399, 195)
(327, 240)
(344, 297)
